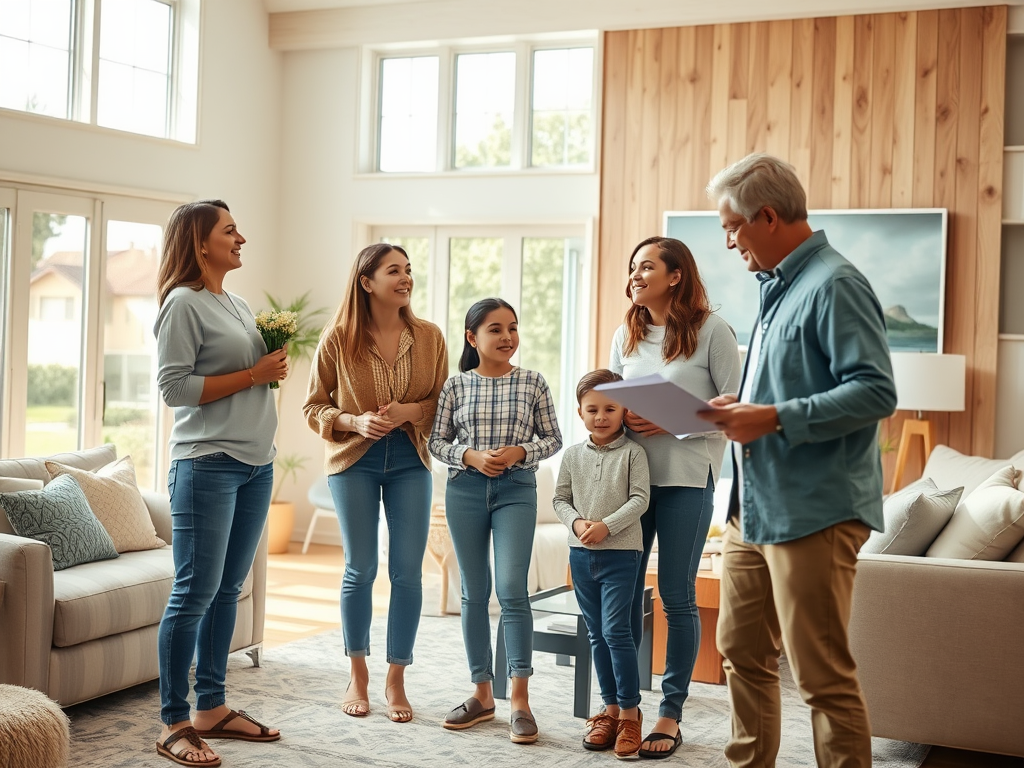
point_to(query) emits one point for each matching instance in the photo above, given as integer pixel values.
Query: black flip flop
(651, 754)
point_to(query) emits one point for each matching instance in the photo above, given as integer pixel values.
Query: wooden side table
(708, 668)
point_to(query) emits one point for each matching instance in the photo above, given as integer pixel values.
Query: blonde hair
(187, 229)
(760, 180)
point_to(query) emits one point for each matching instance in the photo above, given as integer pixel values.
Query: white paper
(661, 402)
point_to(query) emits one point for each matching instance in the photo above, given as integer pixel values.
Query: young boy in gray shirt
(603, 489)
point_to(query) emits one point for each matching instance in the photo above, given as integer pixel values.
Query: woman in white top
(671, 330)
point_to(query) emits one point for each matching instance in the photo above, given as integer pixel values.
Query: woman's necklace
(233, 311)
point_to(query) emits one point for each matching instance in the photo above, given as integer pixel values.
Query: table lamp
(924, 382)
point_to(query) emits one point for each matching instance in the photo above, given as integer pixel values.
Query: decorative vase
(281, 522)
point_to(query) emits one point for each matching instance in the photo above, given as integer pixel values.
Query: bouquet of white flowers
(277, 328)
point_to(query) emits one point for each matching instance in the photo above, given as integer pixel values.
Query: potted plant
(282, 513)
(301, 347)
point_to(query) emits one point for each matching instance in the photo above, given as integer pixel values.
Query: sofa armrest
(26, 613)
(259, 588)
(937, 645)
(159, 505)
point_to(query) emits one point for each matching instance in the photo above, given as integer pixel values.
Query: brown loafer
(628, 738)
(600, 733)
(467, 714)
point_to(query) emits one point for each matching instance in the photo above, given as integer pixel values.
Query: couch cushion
(952, 469)
(115, 499)
(547, 473)
(99, 599)
(1017, 556)
(59, 516)
(988, 524)
(9, 485)
(914, 516)
(91, 458)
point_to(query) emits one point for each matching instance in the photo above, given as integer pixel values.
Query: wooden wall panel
(874, 111)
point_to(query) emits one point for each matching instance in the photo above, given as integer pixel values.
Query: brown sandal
(220, 732)
(196, 745)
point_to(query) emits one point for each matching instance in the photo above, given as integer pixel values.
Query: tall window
(495, 109)
(135, 66)
(408, 114)
(126, 72)
(35, 51)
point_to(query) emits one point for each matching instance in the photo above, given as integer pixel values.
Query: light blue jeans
(218, 511)
(505, 508)
(680, 517)
(392, 470)
(604, 580)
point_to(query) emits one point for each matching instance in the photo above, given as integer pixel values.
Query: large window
(537, 269)
(510, 108)
(125, 64)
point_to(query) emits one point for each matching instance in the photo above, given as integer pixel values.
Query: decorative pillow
(59, 516)
(114, 497)
(950, 468)
(1017, 556)
(914, 516)
(9, 485)
(988, 524)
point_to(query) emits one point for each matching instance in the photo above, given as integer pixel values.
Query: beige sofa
(91, 629)
(939, 643)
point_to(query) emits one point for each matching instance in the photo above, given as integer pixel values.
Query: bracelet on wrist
(252, 379)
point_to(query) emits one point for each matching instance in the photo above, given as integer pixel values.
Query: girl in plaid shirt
(494, 424)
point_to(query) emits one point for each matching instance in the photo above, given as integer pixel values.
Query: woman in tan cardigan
(373, 391)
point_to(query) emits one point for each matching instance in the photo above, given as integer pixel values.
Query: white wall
(327, 206)
(237, 157)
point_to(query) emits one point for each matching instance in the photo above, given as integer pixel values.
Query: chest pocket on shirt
(789, 352)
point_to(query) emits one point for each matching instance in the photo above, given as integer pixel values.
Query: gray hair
(759, 180)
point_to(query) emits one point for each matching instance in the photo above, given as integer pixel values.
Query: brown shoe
(628, 738)
(600, 733)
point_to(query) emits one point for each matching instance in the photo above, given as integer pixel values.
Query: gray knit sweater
(608, 483)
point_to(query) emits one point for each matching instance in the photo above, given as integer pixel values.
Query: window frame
(182, 97)
(368, 160)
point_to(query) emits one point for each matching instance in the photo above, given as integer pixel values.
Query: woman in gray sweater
(671, 330)
(213, 371)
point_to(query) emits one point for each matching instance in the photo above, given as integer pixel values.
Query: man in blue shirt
(808, 473)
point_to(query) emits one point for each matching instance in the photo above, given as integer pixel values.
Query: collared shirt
(824, 364)
(391, 382)
(604, 483)
(484, 412)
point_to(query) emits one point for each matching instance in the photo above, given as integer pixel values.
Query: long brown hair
(187, 229)
(352, 320)
(687, 310)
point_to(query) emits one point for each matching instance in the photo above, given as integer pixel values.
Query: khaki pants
(797, 593)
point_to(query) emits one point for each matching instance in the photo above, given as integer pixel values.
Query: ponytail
(475, 317)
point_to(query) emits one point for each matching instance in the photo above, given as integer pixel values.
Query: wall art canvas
(902, 252)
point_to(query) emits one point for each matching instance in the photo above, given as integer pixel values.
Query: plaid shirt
(484, 413)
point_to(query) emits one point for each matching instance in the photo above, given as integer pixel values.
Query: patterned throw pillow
(114, 497)
(59, 516)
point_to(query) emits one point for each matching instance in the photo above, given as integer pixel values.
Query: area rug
(300, 684)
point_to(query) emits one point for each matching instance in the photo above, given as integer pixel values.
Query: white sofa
(550, 559)
(91, 629)
(938, 642)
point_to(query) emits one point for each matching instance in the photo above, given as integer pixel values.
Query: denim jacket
(825, 365)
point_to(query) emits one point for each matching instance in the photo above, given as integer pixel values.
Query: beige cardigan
(335, 387)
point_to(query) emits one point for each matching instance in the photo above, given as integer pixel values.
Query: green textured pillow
(59, 516)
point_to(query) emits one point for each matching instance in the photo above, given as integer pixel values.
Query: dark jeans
(393, 471)
(604, 581)
(218, 509)
(680, 517)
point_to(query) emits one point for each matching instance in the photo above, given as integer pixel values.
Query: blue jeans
(391, 469)
(604, 581)
(680, 517)
(218, 511)
(506, 506)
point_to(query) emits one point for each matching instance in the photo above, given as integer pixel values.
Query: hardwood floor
(302, 601)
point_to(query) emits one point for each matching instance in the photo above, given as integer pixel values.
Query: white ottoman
(34, 731)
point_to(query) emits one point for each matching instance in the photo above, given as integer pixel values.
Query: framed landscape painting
(902, 253)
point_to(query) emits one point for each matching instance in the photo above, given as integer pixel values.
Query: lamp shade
(929, 382)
